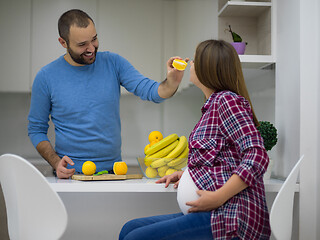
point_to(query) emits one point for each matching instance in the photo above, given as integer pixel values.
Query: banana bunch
(165, 157)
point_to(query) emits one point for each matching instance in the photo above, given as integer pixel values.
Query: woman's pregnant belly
(187, 191)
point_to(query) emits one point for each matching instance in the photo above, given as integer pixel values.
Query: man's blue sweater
(84, 106)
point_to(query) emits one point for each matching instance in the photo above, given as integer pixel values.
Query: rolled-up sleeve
(40, 108)
(236, 124)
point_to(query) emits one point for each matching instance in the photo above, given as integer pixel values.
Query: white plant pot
(267, 174)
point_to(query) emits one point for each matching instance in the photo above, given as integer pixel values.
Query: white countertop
(134, 185)
(131, 185)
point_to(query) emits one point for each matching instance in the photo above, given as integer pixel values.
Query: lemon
(89, 168)
(155, 136)
(120, 168)
(179, 64)
(151, 172)
(170, 171)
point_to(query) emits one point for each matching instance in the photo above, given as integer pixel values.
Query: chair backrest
(282, 207)
(34, 209)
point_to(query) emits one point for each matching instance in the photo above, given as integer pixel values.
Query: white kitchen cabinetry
(253, 21)
(30, 38)
(15, 45)
(45, 14)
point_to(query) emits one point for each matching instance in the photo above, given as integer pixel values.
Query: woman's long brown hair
(218, 67)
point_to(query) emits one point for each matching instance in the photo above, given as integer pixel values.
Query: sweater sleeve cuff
(155, 96)
(37, 138)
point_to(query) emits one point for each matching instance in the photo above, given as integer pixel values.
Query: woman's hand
(207, 201)
(174, 177)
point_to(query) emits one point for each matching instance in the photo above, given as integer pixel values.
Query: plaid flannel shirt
(225, 142)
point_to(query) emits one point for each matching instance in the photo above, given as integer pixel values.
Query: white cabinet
(253, 21)
(45, 14)
(15, 45)
(30, 38)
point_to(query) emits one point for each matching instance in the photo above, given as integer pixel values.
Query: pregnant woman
(221, 193)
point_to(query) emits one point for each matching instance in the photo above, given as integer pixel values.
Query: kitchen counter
(134, 185)
(130, 185)
(101, 208)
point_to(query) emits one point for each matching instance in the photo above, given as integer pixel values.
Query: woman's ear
(62, 42)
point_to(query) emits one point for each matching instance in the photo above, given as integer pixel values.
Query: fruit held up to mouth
(179, 64)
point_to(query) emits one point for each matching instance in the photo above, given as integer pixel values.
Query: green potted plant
(270, 138)
(237, 42)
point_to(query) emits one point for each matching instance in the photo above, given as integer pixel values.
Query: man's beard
(80, 59)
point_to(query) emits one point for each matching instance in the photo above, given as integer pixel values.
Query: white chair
(282, 207)
(34, 210)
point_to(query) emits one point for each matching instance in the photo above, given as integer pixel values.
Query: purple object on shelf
(240, 47)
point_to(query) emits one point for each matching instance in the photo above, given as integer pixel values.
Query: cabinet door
(15, 28)
(45, 16)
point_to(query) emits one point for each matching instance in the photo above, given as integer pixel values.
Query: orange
(179, 64)
(89, 168)
(155, 136)
(153, 142)
(120, 168)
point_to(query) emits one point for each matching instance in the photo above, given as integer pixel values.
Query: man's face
(83, 44)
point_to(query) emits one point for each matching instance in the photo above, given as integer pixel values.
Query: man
(81, 91)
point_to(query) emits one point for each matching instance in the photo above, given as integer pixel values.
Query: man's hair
(72, 17)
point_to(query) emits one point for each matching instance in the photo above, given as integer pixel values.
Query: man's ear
(62, 42)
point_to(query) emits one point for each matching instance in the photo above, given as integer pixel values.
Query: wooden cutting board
(83, 177)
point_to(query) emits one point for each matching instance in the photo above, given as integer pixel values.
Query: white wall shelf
(253, 22)
(256, 61)
(243, 9)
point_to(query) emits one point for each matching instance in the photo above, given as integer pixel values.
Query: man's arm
(59, 164)
(174, 77)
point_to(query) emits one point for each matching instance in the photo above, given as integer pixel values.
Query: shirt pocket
(205, 151)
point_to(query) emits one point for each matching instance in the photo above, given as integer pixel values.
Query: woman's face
(193, 76)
